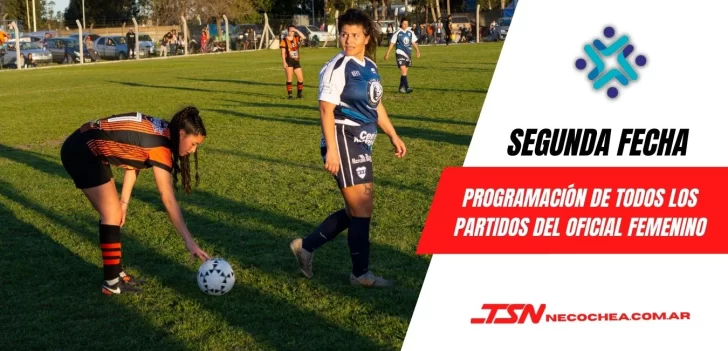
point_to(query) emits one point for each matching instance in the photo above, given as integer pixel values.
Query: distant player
(291, 55)
(404, 39)
(351, 109)
(132, 141)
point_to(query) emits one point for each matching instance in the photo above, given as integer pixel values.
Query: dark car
(240, 35)
(66, 50)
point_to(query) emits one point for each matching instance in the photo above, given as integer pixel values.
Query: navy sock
(402, 81)
(359, 245)
(406, 83)
(327, 230)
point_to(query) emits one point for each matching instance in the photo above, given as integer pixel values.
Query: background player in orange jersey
(133, 141)
(291, 55)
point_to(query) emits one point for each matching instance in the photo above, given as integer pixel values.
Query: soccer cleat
(129, 280)
(370, 280)
(119, 288)
(408, 90)
(290, 96)
(304, 258)
(402, 90)
(300, 95)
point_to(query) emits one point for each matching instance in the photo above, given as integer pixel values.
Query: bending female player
(351, 108)
(132, 141)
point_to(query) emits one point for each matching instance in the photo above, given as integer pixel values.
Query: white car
(312, 31)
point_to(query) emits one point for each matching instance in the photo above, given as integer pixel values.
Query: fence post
(185, 32)
(227, 34)
(337, 28)
(80, 39)
(136, 36)
(17, 43)
(477, 24)
(264, 35)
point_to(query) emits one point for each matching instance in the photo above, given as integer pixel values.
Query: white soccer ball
(216, 277)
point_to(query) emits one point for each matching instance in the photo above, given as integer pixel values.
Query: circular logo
(375, 91)
(405, 41)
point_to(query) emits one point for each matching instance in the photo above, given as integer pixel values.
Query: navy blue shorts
(355, 152)
(403, 60)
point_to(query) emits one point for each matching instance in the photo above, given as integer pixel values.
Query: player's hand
(386, 57)
(418, 54)
(285, 65)
(124, 208)
(399, 149)
(196, 251)
(332, 162)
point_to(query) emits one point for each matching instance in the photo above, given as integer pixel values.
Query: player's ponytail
(356, 17)
(188, 119)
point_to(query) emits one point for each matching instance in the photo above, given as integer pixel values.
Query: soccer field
(262, 185)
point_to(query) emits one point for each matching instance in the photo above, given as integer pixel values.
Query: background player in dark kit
(404, 38)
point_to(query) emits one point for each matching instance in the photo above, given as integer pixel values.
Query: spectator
(173, 42)
(447, 26)
(204, 38)
(130, 44)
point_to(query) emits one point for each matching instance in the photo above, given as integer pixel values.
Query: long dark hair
(356, 17)
(188, 119)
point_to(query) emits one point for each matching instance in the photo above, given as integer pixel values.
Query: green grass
(263, 184)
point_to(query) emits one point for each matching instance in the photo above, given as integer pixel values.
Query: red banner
(578, 211)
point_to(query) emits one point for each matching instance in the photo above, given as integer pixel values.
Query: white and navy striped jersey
(404, 40)
(353, 86)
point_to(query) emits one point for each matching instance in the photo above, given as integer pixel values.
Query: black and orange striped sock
(300, 87)
(289, 87)
(110, 242)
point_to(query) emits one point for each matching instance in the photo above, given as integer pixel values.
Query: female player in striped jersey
(290, 45)
(132, 141)
(351, 109)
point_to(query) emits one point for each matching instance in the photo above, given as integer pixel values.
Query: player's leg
(289, 81)
(96, 182)
(334, 224)
(360, 203)
(299, 78)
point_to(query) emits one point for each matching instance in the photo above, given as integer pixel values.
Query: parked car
(146, 43)
(114, 47)
(66, 50)
(240, 32)
(502, 25)
(8, 54)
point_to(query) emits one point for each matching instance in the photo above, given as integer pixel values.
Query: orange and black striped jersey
(291, 47)
(130, 141)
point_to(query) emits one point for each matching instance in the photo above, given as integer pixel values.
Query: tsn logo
(517, 313)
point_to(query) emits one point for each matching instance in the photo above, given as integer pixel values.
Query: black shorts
(355, 152)
(295, 64)
(403, 60)
(86, 170)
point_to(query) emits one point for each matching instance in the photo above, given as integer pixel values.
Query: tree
(16, 11)
(488, 4)
(104, 12)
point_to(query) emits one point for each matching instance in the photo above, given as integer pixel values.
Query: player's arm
(392, 42)
(385, 124)
(283, 56)
(303, 36)
(328, 126)
(130, 177)
(414, 43)
(164, 184)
